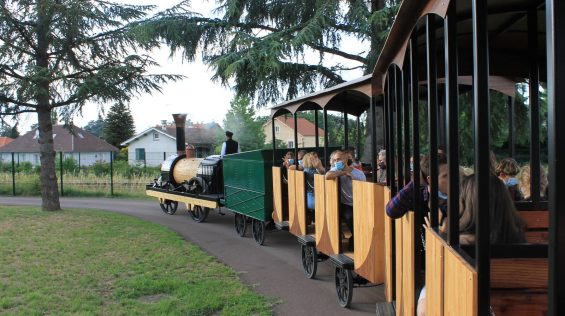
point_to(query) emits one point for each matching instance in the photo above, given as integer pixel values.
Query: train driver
(230, 146)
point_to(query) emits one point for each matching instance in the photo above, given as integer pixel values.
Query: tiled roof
(305, 127)
(5, 141)
(81, 141)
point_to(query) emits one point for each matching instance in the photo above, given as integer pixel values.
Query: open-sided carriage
(324, 237)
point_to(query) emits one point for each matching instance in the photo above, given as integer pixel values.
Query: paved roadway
(273, 269)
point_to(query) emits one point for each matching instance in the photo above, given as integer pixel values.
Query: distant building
(284, 130)
(154, 144)
(5, 141)
(83, 146)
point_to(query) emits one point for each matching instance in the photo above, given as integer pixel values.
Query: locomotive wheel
(258, 231)
(168, 206)
(199, 213)
(309, 261)
(240, 224)
(343, 286)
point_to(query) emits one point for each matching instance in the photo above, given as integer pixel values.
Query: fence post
(111, 173)
(164, 155)
(61, 172)
(13, 176)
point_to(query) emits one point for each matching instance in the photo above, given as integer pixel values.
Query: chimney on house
(164, 125)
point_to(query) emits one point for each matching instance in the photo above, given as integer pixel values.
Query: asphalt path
(274, 269)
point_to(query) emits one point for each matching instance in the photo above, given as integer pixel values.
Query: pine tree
(58, 54)
(119, 125)
(96, 127)
(242, 121)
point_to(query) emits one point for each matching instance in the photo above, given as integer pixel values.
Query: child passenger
(506, 170)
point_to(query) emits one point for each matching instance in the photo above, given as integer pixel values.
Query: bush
(25, 167)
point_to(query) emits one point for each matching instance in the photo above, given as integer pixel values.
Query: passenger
(402, 202)
(506, 225)
(506, 170)
(524, 182)
(288, 160)
(312, 165)
(381, 166)
(352, 160)
(346, 174)
(300, 157)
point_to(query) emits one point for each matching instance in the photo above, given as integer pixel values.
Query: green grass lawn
(100, 263)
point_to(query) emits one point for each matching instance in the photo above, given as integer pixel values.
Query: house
(284, 130)
(83, 146)
(155, 144)
(5, 141)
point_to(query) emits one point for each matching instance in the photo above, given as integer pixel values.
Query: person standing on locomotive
(230, 146)
(346, 174)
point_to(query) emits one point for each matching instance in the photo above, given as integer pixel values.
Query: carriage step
(342, 261)
(307, 240)
(282, 225)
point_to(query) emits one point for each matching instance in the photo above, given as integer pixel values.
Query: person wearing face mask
(346, 175)
(506, 170)
(381, 167)
(300, 157)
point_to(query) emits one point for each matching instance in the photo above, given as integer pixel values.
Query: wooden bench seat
(537, 225)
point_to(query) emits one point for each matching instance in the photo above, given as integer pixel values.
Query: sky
(203, 100)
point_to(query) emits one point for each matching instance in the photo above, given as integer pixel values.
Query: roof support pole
(432, 114)
(452, 122)
(316, 133)
(555, 26)
(326, 161)
(296, 139)
(274, 139)
(533, 92)
(481, 110)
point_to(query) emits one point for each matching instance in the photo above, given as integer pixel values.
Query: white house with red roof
(284, 130)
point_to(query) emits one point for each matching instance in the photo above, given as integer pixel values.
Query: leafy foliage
(270, 50)
(119, 125)
(96, 127)
(57, 55)
(9, 131)
(247, 129)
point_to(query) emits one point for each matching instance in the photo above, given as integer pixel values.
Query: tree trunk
(49, 189)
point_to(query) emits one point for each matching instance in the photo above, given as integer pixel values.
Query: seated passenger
(300, 157)
(507, 170)
(312, 165)
(524, 182)
(346, 174)
(506, 225)
(402, 202)
(381, 167)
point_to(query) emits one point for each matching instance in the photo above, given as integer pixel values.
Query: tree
(119, 125)
(240, 120)
(9, 131)
(96, 127)
(274, 50)
(57, 54)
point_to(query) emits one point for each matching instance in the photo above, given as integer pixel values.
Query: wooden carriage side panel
(434, 273)
(460, 285)
(368, 218)
(277, 195)
(300, 194)
(521, 273)
(330, 238)
(408, 273)
(519, 302)
(292, 220)
(322, 234)
(398, 257)
(388, 222)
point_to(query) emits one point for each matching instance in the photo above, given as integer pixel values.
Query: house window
(277, 129)
(140, 154)
(290, 144)
(155, 136)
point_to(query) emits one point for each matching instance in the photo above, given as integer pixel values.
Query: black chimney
(180, 120)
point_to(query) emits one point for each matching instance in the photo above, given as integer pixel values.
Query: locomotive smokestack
(180, 120)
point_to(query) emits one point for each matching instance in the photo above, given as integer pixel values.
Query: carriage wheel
(343, 286)
(169, 207)
(199, 213)
(240, 224)
(309, 261)
(258, 231)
